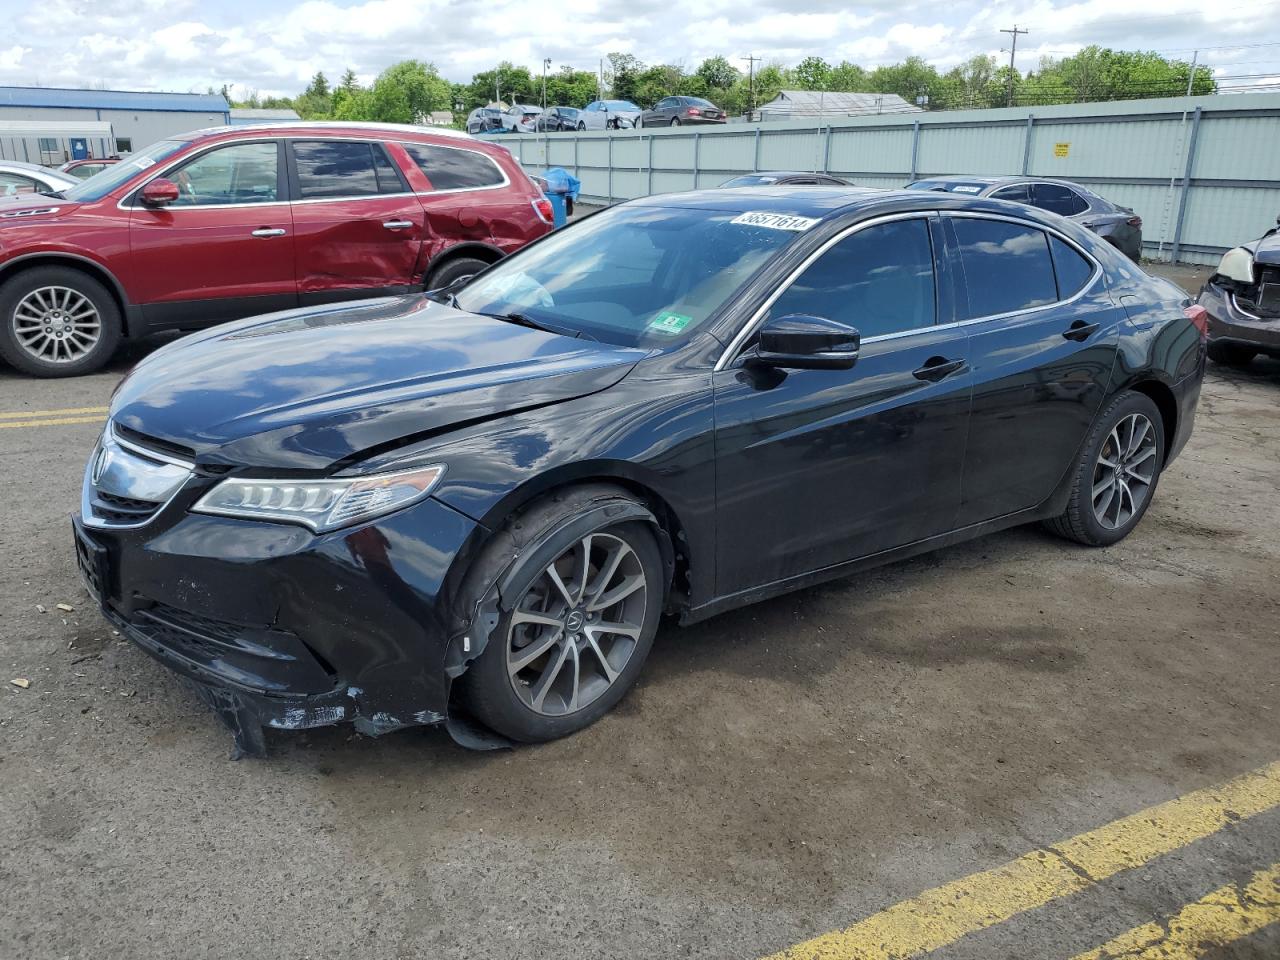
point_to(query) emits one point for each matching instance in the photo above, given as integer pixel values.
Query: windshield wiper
(524, 320)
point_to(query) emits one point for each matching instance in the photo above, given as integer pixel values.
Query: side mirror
(802, 342)
(159, 192)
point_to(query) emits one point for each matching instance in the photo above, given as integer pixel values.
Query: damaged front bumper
(277, 627)
(1243, 316)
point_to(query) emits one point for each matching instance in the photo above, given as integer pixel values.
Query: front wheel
(1116, 475)
(675, 121)
(575, 640)
(582, 125)
(57, 322)
(455, 271)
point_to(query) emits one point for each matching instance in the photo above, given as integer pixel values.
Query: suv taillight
(542, 207)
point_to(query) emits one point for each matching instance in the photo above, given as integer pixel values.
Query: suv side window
(238, 173)
(879, 280)
(1058, 199)
(1006, 266)
(329, 169)
(450, 169)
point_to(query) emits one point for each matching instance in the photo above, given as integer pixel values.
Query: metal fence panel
(1136, 153)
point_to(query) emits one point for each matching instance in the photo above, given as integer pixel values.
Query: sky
(275, 46)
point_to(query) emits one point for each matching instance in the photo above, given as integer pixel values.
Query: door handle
(1080, 331)
(937, 368)
(267, 232)
(397, 224)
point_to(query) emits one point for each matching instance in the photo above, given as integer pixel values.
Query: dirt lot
(781, 771)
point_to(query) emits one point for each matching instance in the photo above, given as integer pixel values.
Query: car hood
(1266, 249)
(318, 388)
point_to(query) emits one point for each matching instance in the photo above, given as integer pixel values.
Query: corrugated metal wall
(1135, 153)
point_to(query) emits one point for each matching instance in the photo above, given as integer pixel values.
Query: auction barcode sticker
(774, 221)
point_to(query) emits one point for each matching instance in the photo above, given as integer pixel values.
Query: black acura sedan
(473, 507)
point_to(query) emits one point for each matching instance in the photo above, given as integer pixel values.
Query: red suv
(235, 221)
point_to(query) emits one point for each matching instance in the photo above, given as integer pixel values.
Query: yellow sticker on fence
(1061, 149)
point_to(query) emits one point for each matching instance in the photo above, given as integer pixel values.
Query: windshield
(948, 186)
(633, 276)
(102, 183)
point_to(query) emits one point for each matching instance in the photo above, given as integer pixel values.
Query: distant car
(608, 115)
(84, 169)
(785, 178)
(674, 111)
(520, 117)
(1119, 226)
(1243, 300)
(21, 179)
(484, 120)
(555, 119)
(229, 222)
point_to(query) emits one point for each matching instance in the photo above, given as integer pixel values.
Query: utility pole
(1012, 53)
(546, 62)
(751, 83)
(600, 81)
(1191, 77)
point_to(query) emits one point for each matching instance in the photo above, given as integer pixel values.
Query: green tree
(319, 86)
(624, 75)
(571, 88)
(717, 73)
(506, 82)
(970, 85)
(909, 79)
(812, 73)
(406, 92)
(848, 77)
(1099, 73)
(657, 82)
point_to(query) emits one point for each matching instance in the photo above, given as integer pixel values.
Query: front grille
(122, 510)
(126, 485)
(153, 443)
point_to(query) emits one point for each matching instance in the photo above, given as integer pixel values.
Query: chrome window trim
(173, 164)
(1031, 181)
(757, 318)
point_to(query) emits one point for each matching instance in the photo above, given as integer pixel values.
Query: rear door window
(331, 169)
(879, 280)
(1072, 269)
(450, 169)
(1058, 199)
(1018, 193)
(1006, 266)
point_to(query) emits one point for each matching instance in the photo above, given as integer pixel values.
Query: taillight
(1199, 318)
(542, 207)
(694, 112)
(1134, 221)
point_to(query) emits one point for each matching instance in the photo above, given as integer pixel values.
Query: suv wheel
(1116, 475)
(57, 322)
(576, 639)
(455, 271)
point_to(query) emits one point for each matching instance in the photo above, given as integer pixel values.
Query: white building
(797, 104)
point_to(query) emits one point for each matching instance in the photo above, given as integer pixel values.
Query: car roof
(21, 165)
(304, 127)
(783, 173)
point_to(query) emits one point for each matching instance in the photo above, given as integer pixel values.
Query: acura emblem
(100, 464)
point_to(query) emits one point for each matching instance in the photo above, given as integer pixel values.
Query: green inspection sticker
(668, 322)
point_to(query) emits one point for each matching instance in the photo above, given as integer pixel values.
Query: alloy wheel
(56, 324)
(1124, 471)
(575, 629)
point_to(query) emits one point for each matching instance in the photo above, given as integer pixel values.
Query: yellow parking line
(944, 914)
(1222, 917)
(51, 421)
(70, 411)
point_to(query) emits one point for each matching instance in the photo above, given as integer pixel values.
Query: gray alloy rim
(1124, 472)
(56, 324)
(577, 626)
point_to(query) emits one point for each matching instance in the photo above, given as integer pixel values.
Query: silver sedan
(17, 178)
(608, 115)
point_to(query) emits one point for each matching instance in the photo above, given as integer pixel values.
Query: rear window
(1006, 266)
(698, 102)
(1058, 199)
(451, 169)
(1072, 269)
(948, 186)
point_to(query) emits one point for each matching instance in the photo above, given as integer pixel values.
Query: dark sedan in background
(556, 119)
(1243, 300)
(785, 178)
(674, 111)
(1119, 226)
(474, 506)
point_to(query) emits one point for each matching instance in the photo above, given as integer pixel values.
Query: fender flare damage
(497, 580)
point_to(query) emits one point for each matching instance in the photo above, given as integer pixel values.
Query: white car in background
(22, 179)
(520, 117)
(608, 115)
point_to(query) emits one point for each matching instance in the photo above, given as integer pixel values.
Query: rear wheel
(57, 322)
(1231, 354)
(575, 640)
(1116, 475)
(455, 271)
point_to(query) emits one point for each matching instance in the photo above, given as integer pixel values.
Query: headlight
(321, 505)
(1237, 265)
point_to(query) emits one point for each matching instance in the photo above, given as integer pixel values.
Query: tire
(42, 293)
(1231, 354)
(675, 121)
(582, 125)
(611, 124)
(535, 701)
(455, 270)
(1082, 521)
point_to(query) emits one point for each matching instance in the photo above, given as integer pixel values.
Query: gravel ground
(781, 770)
